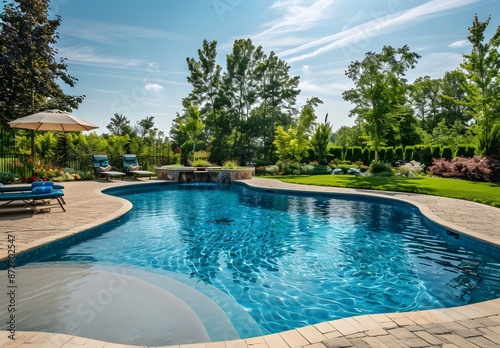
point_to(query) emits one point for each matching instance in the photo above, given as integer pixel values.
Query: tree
(240, 91)
(380, 89)
(320, 140)
(119, 125)
(206, 79)
(277, 92)
(452, 106)
(29, 71)
(286, 143)
(348, 136)
(424, 93)
(193, 125)
(482, 85)
(145, 127)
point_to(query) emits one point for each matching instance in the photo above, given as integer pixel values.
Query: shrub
(201, 163)
(263, 163)
(381, 154)
(399, 152)
(272, 169)
(260, 170)
(435, 151)
(389, 154)
(471, 150)
(7, 177)
(408, 153)
(417, 154)
(307, 169)
(461, 151)
(335, 153)
(86, 175)
(321, 169)
(366, 158)
(411, 169)
(229, 164)
(283, 167)
(495, 167)
(447, 152)
(426, 156)
(440, 166)
(343, 167)
(354, 171)
(357, 153)
(381, 169)
(476, 168)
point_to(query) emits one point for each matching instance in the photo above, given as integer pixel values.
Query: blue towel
(41, 189)
(41, 183)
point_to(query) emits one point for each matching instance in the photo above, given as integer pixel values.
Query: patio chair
(102, 168)
(132, 167)
(38, 197)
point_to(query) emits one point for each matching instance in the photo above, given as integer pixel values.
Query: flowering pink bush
(477, 168)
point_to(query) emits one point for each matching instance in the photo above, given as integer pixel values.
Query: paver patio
(476, 325)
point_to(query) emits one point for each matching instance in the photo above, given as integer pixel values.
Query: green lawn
(481, 192)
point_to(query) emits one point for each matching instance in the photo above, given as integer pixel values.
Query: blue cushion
(41, 183)
(41, 189)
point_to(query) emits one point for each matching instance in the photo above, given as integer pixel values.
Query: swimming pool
(291, 261)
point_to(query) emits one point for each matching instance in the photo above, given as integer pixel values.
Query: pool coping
(472, 323)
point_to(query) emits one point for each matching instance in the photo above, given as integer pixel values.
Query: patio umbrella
(51, 120)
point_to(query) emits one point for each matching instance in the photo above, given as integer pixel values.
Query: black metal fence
(23, 167)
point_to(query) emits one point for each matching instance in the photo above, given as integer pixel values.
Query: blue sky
(130, 55)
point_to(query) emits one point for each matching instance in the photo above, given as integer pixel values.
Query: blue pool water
(292, 261)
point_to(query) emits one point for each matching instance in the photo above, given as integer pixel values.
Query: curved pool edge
(459, 224)
(425, 328)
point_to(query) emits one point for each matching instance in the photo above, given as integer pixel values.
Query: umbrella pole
(33, 151)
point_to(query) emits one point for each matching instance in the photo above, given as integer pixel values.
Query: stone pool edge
(430, 327)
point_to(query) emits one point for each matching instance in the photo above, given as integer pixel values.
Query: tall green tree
(206, 79)
(146, 127)
(193, 125)
(348, 136)
(277, 94)
(451, 104)
(380, 89)
(29, 71)
(305, 124)
(482, 83)
(424, 94)
(119, 125)
(320, 140)
(241, 91)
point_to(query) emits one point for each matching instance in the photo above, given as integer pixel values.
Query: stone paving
(476, 325)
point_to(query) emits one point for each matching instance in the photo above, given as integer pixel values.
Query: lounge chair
(131, 167)
(23, 188)
(28, 188)
(38, 198)
(102, 168)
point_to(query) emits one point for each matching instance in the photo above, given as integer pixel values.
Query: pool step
(125, 305)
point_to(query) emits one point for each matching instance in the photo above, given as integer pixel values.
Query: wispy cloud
(87, 55)
(379, 26)
(458, 44)
(136, 78)
(297, 16)
(113, 33)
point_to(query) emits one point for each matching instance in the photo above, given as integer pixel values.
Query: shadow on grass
(388, 184)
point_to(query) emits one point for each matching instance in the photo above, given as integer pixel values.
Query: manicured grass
(481, 192)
